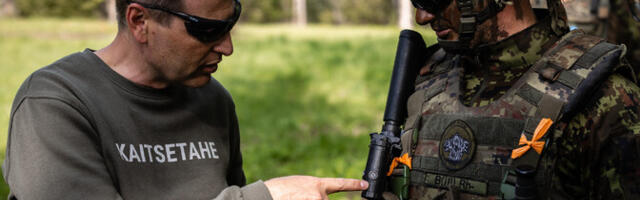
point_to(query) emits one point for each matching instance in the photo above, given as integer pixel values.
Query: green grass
(306, 98)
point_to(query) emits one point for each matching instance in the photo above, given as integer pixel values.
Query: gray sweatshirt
(79, 130)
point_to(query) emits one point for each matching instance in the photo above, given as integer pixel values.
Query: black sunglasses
(205, 30)
(431, 6)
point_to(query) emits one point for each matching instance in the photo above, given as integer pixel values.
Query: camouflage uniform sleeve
(599, 151)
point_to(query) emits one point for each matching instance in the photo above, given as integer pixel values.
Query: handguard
(384, 146)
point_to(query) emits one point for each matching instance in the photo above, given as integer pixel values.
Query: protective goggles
(634, 7)
(205, 30)
(431, 6)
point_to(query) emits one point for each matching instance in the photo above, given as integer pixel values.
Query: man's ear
(137, 18)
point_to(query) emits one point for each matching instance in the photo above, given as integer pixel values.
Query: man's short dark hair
(162, 17)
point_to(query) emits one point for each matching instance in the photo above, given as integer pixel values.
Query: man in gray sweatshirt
(142, 118)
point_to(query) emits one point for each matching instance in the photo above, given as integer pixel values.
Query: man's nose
(423, 17)
(224, 46)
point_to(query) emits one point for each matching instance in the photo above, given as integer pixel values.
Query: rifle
(411, 54)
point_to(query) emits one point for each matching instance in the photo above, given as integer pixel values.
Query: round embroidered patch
(457, 145)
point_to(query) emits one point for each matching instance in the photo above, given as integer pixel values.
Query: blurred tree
(319, 11)
(110, 9)
(254, 11)
(369, 11)
(323, 11)
(266, 11)
(404, 14)
(336, 12)
(7, 8)
(60, 8)
(300, 12)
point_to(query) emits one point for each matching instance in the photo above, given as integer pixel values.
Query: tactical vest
(464, 152)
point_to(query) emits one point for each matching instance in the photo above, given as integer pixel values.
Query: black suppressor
(410, 56)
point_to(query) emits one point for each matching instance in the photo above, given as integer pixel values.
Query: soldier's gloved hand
(309, 187)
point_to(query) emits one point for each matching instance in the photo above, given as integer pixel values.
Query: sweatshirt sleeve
(254, 191)
(235, 174)
(53, 153)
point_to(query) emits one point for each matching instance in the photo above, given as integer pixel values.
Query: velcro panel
(593, 54)
(435, 89)
(530, 94)
(570, 51)
(414, 107)
(487, 130)
(569, 79)
(531, 124)
(549, 71)
(549, 107)
(486, 173)
(491, 172)
(566, 57)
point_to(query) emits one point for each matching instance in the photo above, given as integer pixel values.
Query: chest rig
(464, 152)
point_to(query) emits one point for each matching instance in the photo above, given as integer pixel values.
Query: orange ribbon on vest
(404, 159)
(540, 131)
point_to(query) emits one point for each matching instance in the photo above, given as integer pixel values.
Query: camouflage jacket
(622, 29)
(612, 21)
(598, 155)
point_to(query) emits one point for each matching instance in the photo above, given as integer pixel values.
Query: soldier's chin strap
(469, 19)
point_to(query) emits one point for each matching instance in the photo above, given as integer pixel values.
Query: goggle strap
(492, 9)
(470, 19)
(467, 21)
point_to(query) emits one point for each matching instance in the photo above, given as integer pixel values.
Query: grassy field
(306, 98)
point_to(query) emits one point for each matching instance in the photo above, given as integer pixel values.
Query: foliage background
(254, 11)
(306, 98)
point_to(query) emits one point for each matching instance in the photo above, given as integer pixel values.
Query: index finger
(333, 185)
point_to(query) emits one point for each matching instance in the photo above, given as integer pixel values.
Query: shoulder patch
(457, 145)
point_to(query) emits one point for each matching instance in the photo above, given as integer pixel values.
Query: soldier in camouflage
(610, 19)
(622, 29)
(588, 15)
(478, 125)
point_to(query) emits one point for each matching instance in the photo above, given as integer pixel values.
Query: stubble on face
(179, 57)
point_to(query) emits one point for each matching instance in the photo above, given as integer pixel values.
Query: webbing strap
(495, 131)
(576, 51)
(492, 172)
(569, 79)
(467, 21)
(566, 52)
(435, 89)
(530, 125)
(563, 42)
(594, 54)
(530, 94)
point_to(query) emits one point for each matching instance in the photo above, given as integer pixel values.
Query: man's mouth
(443, 33)
(210, 68)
